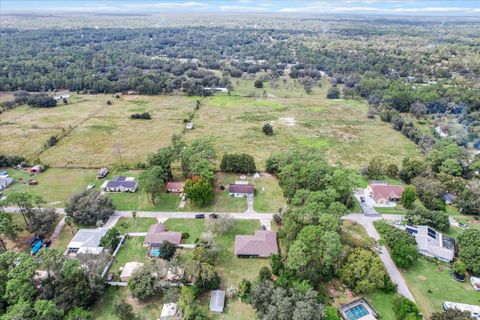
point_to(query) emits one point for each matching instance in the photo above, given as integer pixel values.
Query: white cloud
(167, 5)
(243, 8)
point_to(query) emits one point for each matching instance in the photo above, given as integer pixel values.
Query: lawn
(125, 225)
(432, 284)
(132, 250)
(55, 186)
(194, 227)
(382, 303)
(387, 210)
(148, 310)
(268, 196)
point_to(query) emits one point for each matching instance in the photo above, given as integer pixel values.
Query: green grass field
(90, 130)
(55, 186)
(432, 284)
(382, 303)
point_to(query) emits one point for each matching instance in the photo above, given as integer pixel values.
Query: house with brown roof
(157, 234)
(384, 194)
(175, 187)
(241, 190)
(262, 244)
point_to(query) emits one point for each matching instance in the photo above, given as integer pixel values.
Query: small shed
(169, 311)
(129, 269)
(217, 301)
(35, 169)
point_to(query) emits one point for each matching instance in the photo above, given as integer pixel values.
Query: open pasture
(340, 128)
(94, 134)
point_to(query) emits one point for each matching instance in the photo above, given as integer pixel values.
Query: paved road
(395, 275)
(265, 218)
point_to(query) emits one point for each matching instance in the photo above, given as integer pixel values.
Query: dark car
(213, 216)
(110, 276)
(200, 216)
(362, 199)
(263, 227)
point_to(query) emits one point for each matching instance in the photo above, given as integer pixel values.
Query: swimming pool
(155, 253)
(356, 312)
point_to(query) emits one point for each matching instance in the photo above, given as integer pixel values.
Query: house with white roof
(432, 243)
(87, 241)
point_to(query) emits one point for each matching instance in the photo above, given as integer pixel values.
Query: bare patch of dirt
(422, 278)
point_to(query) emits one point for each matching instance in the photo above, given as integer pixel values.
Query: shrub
(267, 129)
(122, 309)
(405, 309)
(144, 116)
(333, 93)
(258, 84)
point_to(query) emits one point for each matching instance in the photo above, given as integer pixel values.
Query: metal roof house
(120, 184)
(87, 241)
(217, 301)
(263, 244)
(432, 243)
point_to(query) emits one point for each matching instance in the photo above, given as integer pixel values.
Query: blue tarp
(37, 246)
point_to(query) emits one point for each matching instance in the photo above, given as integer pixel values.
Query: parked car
(263, 227)
(463, 225)
(213, 216)
(200, 216)
(362, 199)
(110, 276)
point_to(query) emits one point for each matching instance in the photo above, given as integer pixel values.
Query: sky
(381, 7)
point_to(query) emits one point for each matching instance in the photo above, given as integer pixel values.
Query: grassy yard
(269, 195)
(194, 227)
(125, 225)
(393, 210)
(432, 284)
(148, 310)
(132, 250)
(54, 185)
(382, 303)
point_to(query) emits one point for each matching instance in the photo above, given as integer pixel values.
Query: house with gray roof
(263, 244)
(87, 241)
(120, 184)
